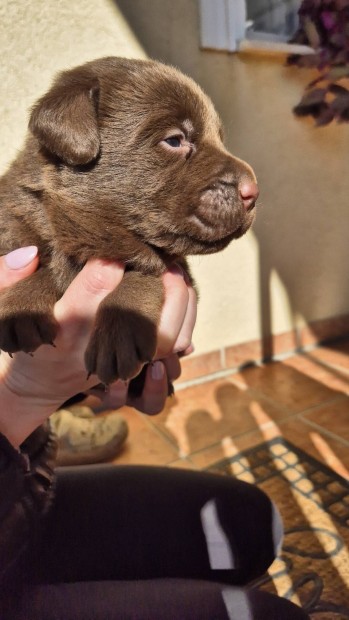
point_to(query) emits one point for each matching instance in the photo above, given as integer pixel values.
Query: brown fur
(96, 178)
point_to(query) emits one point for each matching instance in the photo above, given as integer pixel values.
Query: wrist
(20, 415)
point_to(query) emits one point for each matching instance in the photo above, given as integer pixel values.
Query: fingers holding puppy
(155, 391)
(174, 337)
(178, 315)
(141, 320)
(75, 313)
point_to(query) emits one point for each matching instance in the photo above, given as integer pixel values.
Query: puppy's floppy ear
(65, 119)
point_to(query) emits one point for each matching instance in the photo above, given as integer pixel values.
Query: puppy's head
(139, 144)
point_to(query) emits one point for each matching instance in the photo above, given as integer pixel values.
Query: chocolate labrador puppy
(124, 160)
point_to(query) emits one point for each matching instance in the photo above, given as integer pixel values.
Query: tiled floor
(305, 398)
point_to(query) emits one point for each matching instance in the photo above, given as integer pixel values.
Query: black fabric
(145, 522)
(26, 484)
(160, 599)
(127, 542)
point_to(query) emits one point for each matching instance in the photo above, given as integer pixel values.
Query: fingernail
(176, 270)
(17, 259)
(157, 371)
(188, 351)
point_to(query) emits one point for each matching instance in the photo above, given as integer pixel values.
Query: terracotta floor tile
(182, 464)
(210, 421)
(229, 447)
(326, 450)
(200, 416)
(193, 367)
(144, 444)
(285, 385)
(332, 417)
(336, 354)
(315, 368)
(324, 329)
(243, 353)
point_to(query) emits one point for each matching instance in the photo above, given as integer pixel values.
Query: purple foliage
(324, 26)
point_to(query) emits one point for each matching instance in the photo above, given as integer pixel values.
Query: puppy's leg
(26, 313)
(124, 334)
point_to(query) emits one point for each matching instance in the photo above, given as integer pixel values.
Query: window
(272, 19)
(234, 25)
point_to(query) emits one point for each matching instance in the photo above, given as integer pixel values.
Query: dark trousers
(149, 543)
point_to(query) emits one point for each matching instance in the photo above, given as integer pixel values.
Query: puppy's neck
(82, 236)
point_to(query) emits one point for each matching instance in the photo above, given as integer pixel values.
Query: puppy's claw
(170, 389)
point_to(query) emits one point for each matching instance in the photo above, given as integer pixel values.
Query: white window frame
(223, 24)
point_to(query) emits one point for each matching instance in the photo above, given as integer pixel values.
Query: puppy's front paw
(26, 331)
(120, 344)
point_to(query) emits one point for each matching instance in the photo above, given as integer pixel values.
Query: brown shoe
(84, 438)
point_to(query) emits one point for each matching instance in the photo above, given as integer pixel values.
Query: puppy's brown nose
(249, 193)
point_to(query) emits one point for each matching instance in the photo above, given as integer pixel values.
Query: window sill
(267, 46)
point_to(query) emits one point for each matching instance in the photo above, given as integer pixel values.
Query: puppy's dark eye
(174, 141)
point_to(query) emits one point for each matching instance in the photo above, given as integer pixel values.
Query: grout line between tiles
(161, 433)
(223, 357)
(220, 374)
(290, 415)
(184, 459)
(325, 431)
(331, 401)
(338, 368)
(288, 411)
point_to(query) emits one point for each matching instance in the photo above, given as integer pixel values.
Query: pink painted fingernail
(188, 351)
(17, 259)
(157, 371)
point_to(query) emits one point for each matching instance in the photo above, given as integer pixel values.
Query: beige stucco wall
(41, 37)
(294, 266)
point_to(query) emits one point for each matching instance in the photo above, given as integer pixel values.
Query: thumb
(91, 285)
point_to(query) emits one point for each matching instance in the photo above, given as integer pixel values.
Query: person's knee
(243, 532)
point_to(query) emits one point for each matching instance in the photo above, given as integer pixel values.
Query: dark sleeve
(26, 490)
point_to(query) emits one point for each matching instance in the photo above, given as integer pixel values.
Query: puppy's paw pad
(26, 332)
(120, 345)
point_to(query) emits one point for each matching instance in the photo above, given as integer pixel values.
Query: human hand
(174, 339)
(31, 388)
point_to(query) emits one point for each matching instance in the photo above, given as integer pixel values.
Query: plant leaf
(337, 89)
(325, 117)
(312, 33)
(314, 110)
(338, 72)
(313, 97)
(340, 104)
(329, 19)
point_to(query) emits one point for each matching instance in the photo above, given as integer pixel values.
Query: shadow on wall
(303, 220)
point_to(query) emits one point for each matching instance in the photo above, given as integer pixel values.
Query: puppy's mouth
(209, 232)
(212, 221)
(199, 238)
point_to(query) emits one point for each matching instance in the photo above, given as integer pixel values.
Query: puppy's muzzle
(248, 190)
